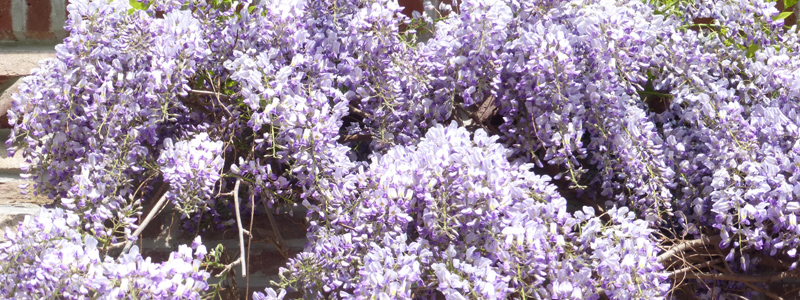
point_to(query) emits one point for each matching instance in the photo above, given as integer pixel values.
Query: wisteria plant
(484, 149)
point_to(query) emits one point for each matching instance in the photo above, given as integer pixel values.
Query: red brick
(38, 22)
(410, 6)
(6, 26)
(4, 122)
(4, 79)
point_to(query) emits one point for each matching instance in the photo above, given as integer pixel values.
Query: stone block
(18, 60)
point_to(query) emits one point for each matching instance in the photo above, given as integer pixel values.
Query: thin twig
(229, 266)
(763, 291)
(239, 223)
(153, 213)
(209, 93)
(250, 239)
(751, 285)
(705, 240)
(194, 102)
(278, 238)
(280, 243)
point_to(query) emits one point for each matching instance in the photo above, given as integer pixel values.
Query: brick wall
(32, 20)
(43, 20)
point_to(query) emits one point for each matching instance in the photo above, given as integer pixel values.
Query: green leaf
(789, 3)
(783, 15)
(139, 5)
(751, 51)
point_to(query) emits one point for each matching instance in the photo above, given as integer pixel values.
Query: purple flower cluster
(382, 72)
(91, 118)
(48, 257)
(191, 168)
(622, 254)
(731, 131)
(454, 216)
(670, 120)
(565, 79)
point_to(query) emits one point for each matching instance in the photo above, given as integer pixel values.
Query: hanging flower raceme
(454, 216)
(92, 115)
(191, 168)
(48, 257)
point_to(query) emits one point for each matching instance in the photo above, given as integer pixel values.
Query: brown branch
(728, 270)
(691, 259)
(741, 277)
(703, 241)
(763, 291)
(486, 111)
(219, 98)
(359, 112)
(679, 273)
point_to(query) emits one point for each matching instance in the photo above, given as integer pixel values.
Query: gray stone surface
(19, 59)
(11, 215)
(8, 164)
(14, 205)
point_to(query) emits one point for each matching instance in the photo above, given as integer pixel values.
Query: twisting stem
(239, 224)
(681, 272)
(751, 285)
(705, 240)
(153, 212)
